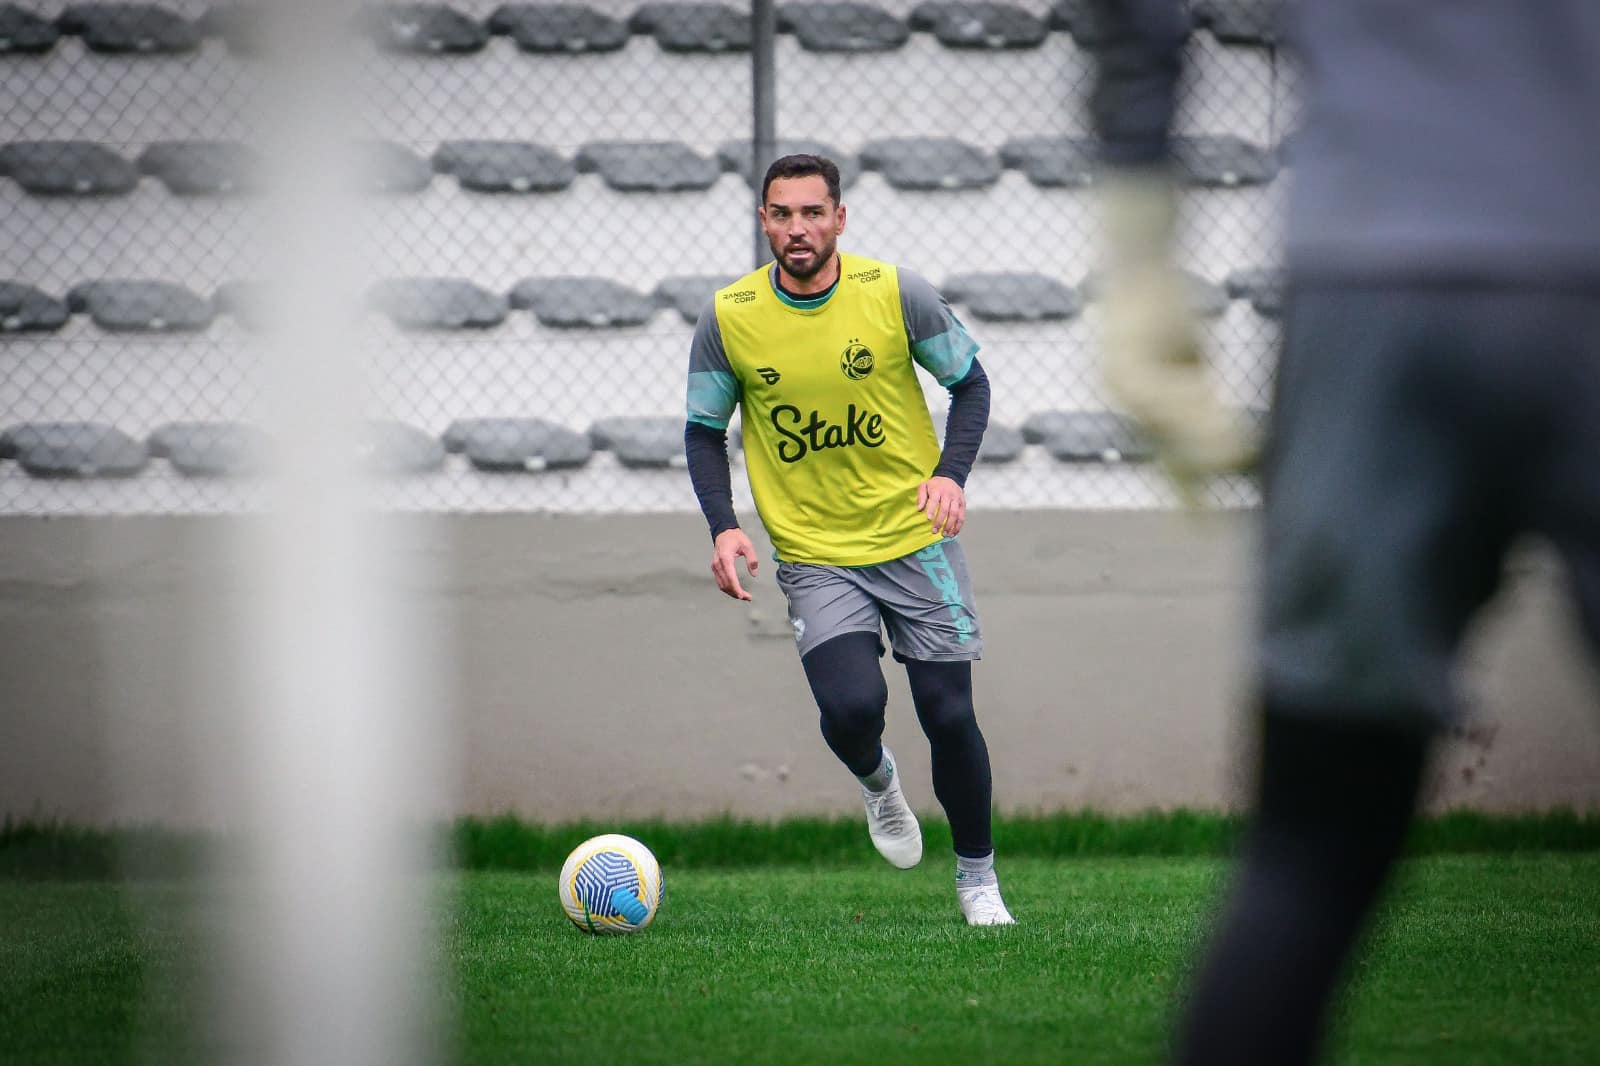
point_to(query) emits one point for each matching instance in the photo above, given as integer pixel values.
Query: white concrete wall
(597, 673)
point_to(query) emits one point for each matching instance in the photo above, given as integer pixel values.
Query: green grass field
(1481, 958)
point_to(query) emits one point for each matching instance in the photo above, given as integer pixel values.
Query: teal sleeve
(713, 391)
(939, 342)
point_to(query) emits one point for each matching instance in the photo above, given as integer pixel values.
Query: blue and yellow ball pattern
(611, 884)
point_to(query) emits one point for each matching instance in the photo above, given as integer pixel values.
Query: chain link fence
(554, 192)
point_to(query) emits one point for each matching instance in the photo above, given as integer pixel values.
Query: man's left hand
(945, 504)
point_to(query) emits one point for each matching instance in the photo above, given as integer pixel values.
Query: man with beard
(818, 351)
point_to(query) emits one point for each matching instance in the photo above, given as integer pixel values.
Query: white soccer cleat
(982, 905)
(893, 827)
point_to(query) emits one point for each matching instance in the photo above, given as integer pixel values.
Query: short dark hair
(800, 166)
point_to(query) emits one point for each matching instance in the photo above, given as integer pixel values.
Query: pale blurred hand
(1153, 366)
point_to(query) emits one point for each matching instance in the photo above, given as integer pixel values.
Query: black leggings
(851, 694)
(1334, 803)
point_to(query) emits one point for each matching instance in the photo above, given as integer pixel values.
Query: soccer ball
(611, 884)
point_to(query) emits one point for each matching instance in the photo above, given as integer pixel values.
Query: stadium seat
(389, 168)
(922, 163)
(736, 156)
(1001, 444)
(642, 441)
(390, 448)
(23, 31)
(201, 168)
(1003, 297)
(841, 27)
(209, 449)
(1250, 22)
(578, 302)
(1222, 161)
(504, 166)
(690, 27)
(141, 306)
(690, 295)
(558, 28)
(121, 28)
(24, 309)
(1262, 286)
(1087, 436)
(511, 444)
(648, 166)
(979, 25)
(73, 450)
(438, 303)
(1051, 162)
(67, 168)
(425, 29)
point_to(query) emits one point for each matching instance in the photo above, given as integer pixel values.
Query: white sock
(976, 871)
(879, 779)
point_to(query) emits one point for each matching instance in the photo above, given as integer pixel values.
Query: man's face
(802, 224)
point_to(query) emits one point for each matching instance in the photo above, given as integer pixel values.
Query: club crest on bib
(856, 362)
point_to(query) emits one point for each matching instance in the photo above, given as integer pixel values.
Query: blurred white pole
(330, 908)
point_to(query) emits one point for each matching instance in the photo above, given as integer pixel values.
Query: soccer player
(1438, 394)
(818, 351)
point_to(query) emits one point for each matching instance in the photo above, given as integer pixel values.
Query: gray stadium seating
(425, 29)
(139, 28)
(979, 25)
(921, 163)
(641, 441)
(648, 166)
(141, 306)
(691, 27)
(1262, 286)
(390, 168)
(841, 27)
(1001, 444)
(393, 449)
(438, 303)
(1051, 162)
(67, 168)
(209, 449)
(736, 157)
(1087, 437)
(579, 302)
(689, 295)
(24, 308)
(504, 166)
(201, 168)
(24, 31)
(512, 444)
(558, 28)
(1248, 22)
(73, 450)
(1222, 161)
(1012, 297)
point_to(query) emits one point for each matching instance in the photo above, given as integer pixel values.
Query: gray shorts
(923, 599)
(1417, 432)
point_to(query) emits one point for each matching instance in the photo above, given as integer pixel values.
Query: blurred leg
(1333, 807)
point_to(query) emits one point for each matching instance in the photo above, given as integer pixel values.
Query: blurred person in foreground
(1438, 394)
(818, 350)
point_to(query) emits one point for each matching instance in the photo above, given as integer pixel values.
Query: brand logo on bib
(856, 362)
(804, 434)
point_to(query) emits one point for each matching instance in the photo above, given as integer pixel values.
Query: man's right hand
(725, 552)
